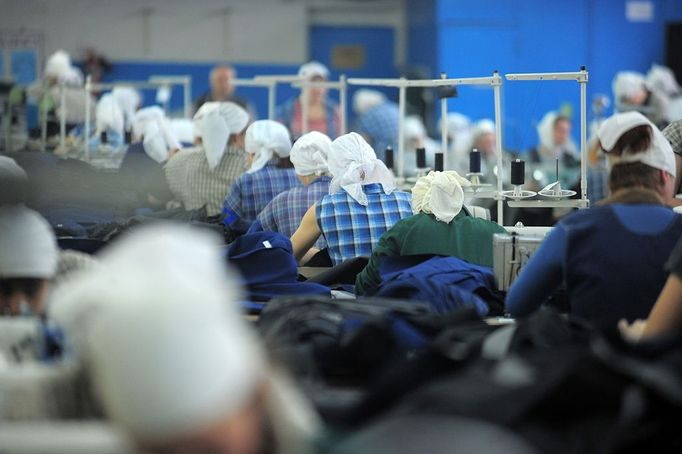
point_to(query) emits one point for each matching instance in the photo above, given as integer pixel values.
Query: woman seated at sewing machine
(611, 257)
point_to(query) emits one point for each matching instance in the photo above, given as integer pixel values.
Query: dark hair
(635, 140)
(284, 163)
(632, 175)
(561, 118)
(27, 285)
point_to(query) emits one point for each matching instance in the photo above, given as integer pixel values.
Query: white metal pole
(342, 104)
(401, 128)
(188, 97)
(43, 126)
(305, 98)
(498, 145)
(86, 131)
(272, 99)
(444, 129)
(583, 133)
(62, 117)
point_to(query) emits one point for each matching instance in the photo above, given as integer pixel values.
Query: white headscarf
(440, 194)
(266, 139)
(627, 84)
(109, 115)
(546, 136)
(128, 100)
(152, 125)
(311, 69)
(414, 127)
(662, 78)
(58, 65)
(353, 163)
(310, 153)
(660, 154)
(164, 363)
(365, 99)
(215, 122)
(28, 247)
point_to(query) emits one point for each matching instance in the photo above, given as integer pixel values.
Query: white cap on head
(151, 125)
(546, 130)
(662, 78)
(659, 155)
(627, 84)
(310, 153)
(365, 99)
(353, 163)
(58, 65)
(28, 248)
(266, 139)
(215, 122)
(128, 100)
(484, 126)
(313, 69)
(457, 123)
(165, 363)
(440, 194)
(13, 181)
(414, 127)
(109, 116)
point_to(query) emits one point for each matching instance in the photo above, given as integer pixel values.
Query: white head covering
(365, 99)
(27, 244)
(265, 139)
(659, 155)
(546, 136)
(627, 84)
(58, 65)
(165, 363)
(414, 127)
(128, 100)
(661, 78)
(13, 181)
(353, 163)
(439, 193)
(109, 115)
(215, 122)
(310, 152)
(151, 124)
(312, 69)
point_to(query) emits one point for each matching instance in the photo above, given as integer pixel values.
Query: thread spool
(518, 172)
(103, 138)
(475, 161)
(128, 137)
(421, 158)
(388, 157)
(438, 163)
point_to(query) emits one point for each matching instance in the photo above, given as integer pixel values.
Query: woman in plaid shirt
(360, 207)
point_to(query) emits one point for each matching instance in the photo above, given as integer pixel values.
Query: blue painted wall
(379, 45)
(474, 38)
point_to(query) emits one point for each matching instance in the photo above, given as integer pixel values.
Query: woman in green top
(440, 225)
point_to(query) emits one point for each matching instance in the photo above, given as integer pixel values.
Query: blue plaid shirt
(253, 191)
(284, 213)
(380, 124)
(352, 230)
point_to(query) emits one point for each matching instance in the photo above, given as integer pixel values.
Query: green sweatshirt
(466, 237)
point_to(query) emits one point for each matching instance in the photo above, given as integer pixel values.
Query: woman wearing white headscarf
(284, 213)
(170, 358)
(631, 92)
(441, 225)
(60, 73)
(202, 175)
(362, 203)
(323, 112)
(270, 172)
(610, 258)
(153, 140)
